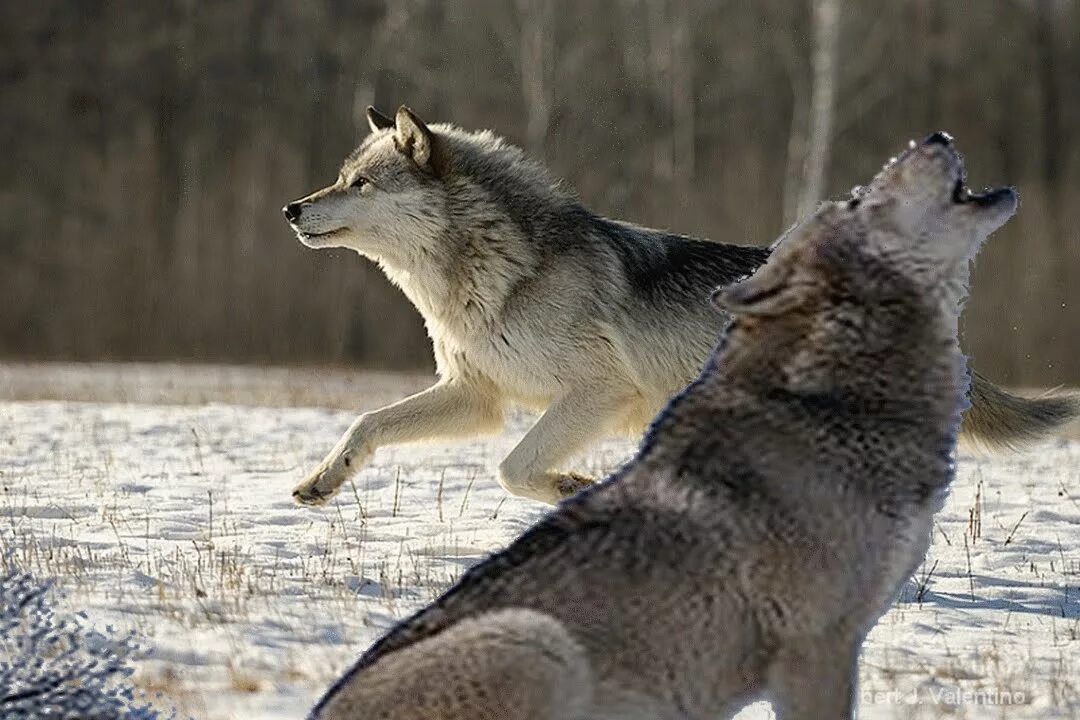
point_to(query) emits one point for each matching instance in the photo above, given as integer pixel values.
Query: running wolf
(771, 515)
(531, 299)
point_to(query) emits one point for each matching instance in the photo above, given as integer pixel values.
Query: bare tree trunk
(785, 47)
(536, 22)
(796, 152)
(660, 84)
(1052, 150)
(1053, 158)
(822, 103)
(682, 92)
(526, 29)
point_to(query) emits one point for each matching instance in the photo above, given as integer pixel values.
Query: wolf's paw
(571, 483)
(325, 480)
(548, 488)
(332, 473)
(315, 490)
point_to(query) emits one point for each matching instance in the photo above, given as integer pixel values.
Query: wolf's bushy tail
(997, 419)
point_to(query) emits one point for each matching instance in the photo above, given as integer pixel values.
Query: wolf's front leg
(580, 416)
(451, 408)
(815, 678)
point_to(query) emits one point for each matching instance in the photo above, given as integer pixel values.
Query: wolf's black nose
(940, 138)
(292, 211)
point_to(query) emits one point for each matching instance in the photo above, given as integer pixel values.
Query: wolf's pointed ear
(413, 136)
(768, 292)
(377, 121)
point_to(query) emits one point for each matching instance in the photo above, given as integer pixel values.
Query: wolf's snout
(292, 211)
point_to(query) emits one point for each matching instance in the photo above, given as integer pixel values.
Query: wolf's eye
(359, 182)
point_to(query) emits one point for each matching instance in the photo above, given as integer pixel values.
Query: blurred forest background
(149, 146)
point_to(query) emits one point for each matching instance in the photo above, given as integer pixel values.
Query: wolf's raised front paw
(571, 483)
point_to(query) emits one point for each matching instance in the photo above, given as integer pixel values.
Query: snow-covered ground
(176, 521)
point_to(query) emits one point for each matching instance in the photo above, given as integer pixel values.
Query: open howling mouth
(962, 194)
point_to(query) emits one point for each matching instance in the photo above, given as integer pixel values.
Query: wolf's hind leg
(815, 679)
(506, 665)
(573, 421)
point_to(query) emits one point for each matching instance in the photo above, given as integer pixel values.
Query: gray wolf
(530, 299)
(774, 510)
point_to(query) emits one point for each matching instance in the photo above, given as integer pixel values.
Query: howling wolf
(773, 512)
(531, 299)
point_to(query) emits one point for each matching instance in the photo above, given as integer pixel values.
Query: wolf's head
(387, 200)
(864, 286)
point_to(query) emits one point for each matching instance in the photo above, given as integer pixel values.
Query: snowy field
(176, 521)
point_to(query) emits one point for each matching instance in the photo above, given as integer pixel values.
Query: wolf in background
(772, 514)
(531, 299)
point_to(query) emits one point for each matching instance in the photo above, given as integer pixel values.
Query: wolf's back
(673, 266)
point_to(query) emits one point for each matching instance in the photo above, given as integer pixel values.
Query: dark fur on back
(653, 259)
